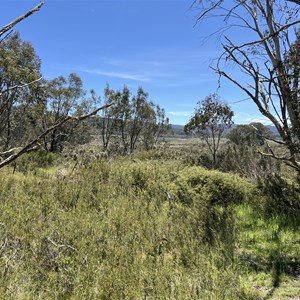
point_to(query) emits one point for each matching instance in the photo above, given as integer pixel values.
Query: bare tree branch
(21, 18)
(275, 33)
(21, 86)
(269, 60)
(30, 146)
(9, 151)
(289, 161)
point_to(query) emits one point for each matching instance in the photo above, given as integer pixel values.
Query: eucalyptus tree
(64, 97)
(210, 120)
(262, 52)
(19, 65)
(253, 134)
(23, 98)
(134, 120)
(113, 118)
(147, 122)
(19, 81)
(121, 112)
(141, 112)
(156, 125)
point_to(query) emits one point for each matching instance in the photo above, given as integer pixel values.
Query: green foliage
(33, 110)
(269, 248)
(283, 198)
(219, 188)
(253, 134)
(147, 227)
(30, 162)
(248, 162)
(121, 230)
(210, 120)
(134, 121)
(65, 97)
(211, 115)
(19, 65)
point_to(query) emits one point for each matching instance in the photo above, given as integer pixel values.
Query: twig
(3, 245)
(266, 37)
(61, 246)
(290, 161)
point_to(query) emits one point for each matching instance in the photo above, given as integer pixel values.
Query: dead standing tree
(267, 32)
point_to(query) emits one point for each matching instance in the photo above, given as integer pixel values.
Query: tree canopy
(253, 134)
(134, 120)
(210, 120)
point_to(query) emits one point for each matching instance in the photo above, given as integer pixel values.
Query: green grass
(270, 252)
(140, 228)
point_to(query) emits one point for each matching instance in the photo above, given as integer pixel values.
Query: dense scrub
(130, 229)
(121, 230)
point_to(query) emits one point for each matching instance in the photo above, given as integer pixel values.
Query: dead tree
(267, 30)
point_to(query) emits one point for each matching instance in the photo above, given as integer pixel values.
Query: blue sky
(150, 43)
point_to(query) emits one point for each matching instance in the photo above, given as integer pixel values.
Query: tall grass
(126, 229)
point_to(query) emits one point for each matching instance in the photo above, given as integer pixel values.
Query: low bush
(37, 159)
(121, 230)
(282, 198)
(248, 162)
(219, 188)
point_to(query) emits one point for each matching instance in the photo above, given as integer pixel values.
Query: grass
(141, 228)
(270, 253)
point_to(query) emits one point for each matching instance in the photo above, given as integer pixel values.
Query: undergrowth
(133, 229)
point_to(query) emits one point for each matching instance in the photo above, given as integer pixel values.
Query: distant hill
(273, 130)
(179, 129)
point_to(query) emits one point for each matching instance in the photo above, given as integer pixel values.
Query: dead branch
(21, 18)
(61, 246)
(21, 86)
(9, 151)
(275, 141)
(289, 161)
(31, 146)
(213, 6)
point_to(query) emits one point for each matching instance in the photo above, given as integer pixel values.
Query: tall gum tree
(19, 65)
(210, 120)
(7, 154)
(267, 33)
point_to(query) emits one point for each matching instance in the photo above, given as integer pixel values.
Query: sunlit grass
(140, 228)
(270, 251)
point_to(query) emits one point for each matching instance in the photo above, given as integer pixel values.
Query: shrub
(247, 162)
(220, 188)
(282, 198)
(36, 159)
(120, 230)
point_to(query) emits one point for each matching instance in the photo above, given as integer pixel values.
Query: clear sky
(150, 43)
